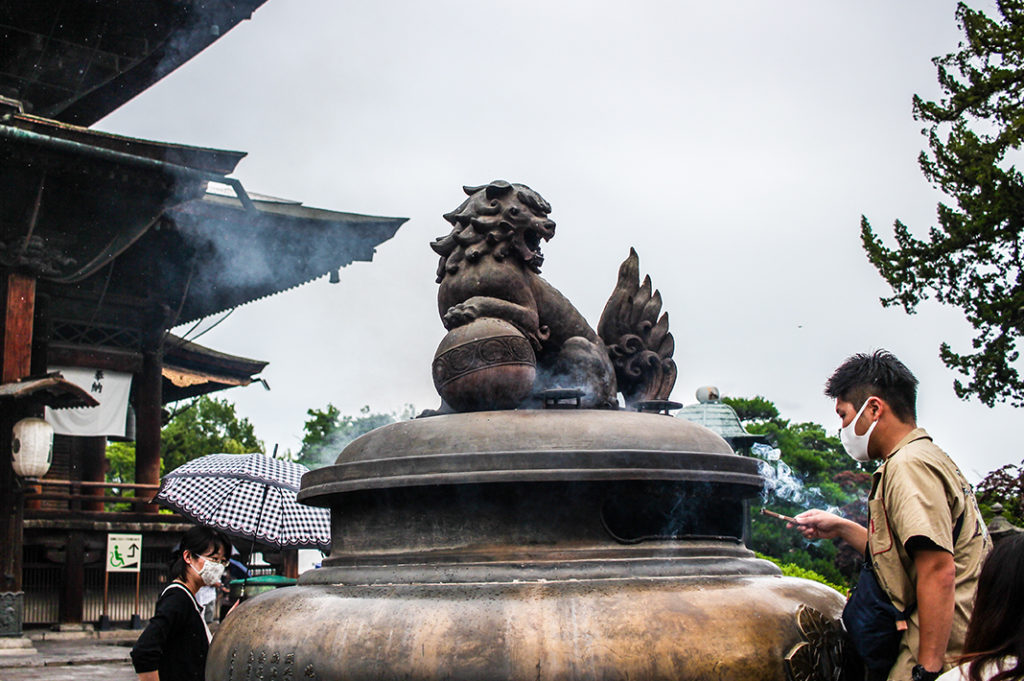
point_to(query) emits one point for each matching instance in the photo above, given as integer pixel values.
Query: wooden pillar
(71, 602)
(148, 425)
(93, 452)
(290, 563)
(10, 510)
(72, 597)
(17, 308)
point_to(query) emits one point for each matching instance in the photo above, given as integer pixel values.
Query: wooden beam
(19, 309)
(59, 354)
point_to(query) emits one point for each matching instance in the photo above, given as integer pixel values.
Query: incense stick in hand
(773, 514)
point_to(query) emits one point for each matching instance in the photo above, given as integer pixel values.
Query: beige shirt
(919, 492)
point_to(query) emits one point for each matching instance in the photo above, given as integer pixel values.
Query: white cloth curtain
(110, 388)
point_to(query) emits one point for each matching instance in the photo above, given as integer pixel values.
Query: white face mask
(857, 445)
(210, 573)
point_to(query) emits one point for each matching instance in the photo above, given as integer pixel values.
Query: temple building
(718, 416)
(106, 244)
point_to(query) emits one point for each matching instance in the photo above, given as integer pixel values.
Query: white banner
(110, 388)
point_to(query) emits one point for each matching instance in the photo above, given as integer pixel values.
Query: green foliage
(1004, 486)
(972, 259)
(794, 570)
(121, 468)
(206, 425)
(121, 457)
(753, 408)
(203, 426)
(823, 476)
(327, 431)
(320, 424)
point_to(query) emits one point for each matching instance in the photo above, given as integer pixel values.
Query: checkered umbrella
(251, 496)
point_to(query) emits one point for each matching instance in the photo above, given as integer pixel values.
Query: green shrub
(794, 570)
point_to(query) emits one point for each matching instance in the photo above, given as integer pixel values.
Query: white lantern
(32, 447)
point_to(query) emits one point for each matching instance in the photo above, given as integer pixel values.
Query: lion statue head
(499, 219)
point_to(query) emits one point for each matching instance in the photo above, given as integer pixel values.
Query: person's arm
(936, 580)
(149, 676)
(815, 524)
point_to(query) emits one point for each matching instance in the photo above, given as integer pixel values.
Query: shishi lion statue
(513, 335)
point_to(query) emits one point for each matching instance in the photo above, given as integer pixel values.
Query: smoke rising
(321, 448)
(782, 484)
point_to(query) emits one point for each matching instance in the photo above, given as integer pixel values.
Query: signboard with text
(124, 552)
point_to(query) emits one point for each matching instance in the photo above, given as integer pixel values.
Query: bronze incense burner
(524, 542)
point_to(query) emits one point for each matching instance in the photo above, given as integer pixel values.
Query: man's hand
(936, 580)
(815, 524)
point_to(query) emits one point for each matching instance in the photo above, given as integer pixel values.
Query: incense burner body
(561, 544)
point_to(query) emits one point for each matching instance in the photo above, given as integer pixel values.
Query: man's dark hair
(880, 375)
(198, 540)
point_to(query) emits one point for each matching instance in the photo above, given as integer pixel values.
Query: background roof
(77, 61)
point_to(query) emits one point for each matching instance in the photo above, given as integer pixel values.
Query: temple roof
(50, 390)
(77, 61)
(219, 161)
(241, 254)
(720, 418)
(136, 224)
(190, 369)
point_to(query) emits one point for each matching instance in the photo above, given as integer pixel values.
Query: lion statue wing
(638, 340)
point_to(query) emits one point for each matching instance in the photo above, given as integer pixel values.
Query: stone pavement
(73, 656)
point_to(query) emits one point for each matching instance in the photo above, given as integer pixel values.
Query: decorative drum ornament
(486, 364)
(32, 447)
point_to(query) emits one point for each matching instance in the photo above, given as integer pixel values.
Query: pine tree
(972, 258)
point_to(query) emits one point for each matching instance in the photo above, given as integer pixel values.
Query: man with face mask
(925, 539)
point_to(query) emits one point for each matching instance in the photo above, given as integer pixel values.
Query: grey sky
(735, 145)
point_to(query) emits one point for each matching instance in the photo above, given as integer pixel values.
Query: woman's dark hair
(879, 374)
(996, 629)
(198, 541)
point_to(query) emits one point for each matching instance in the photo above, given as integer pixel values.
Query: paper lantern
(32, 447)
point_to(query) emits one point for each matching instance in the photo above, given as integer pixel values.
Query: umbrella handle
(252, 544)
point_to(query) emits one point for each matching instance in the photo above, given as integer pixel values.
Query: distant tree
(327, 431)
(121, 457)
(813, 471)
(753, 408)
(121, 468)
(205, 425)
(1005, 486)
(972, 259)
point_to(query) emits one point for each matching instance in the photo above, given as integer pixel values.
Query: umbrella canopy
(251, 496)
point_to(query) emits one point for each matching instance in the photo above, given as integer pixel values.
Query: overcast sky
(734, 144)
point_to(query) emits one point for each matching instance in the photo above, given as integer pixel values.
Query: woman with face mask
(174, 645)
